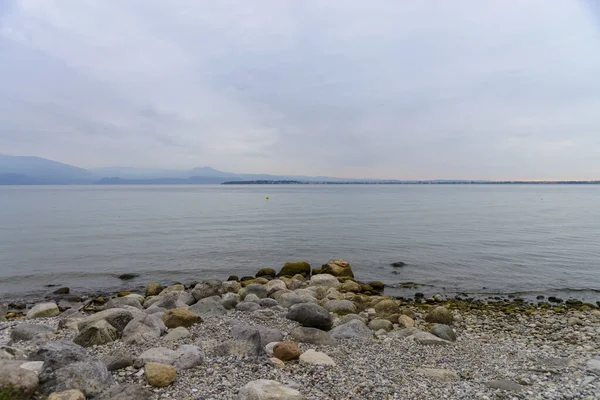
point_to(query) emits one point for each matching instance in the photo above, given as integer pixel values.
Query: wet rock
(312, 336)
(340, 307)
(128, 277)
(25, 332)
(208, 308)
(119, 302)
(337, 268)
(154, 289)
(62, 290)
(398, 264)
(350, 286)
(311, 315)
(43, 310)
(440, 315)
(180, 317)
(97, 333)
(354, 329)
(263, 389)
(208, 288)
(444, 332)
(266, 272)
(16, 383)
(295, 268)
(159, 375)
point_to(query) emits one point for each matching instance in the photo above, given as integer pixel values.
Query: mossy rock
(154, 289)
(294, 268)
(584, 308)
(559, 309)
(338, 268)
(544, 305)
(261, 280)
(377, 286)
(266, 272)
(366, 288)
(123, 294)
(247, 278)
(317, 271)
(233, 278)
(247, 282)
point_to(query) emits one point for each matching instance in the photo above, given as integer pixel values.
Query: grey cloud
(439, 89)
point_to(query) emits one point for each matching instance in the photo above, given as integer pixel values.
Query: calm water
(464, 238)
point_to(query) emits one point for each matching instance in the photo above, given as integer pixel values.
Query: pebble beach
(297, 333)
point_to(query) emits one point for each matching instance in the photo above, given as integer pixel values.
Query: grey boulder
(241, 331)
(354, 329)
(91, 377)
(117, 317)
(58, 354)
(208, 308)
(208, 288)
(312, 336)
(97, 333)
(125, 392)
(443, 332)
(119, 302)
(311, 315)
(25, 332)
(16, 383)
(144, 328)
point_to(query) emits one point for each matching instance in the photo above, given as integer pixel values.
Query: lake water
(525, 239)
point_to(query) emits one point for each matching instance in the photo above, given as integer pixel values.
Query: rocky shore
(297, 333)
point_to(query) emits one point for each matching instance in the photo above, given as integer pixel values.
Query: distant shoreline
(262, 182)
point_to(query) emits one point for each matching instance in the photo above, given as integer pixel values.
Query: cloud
(440, 89)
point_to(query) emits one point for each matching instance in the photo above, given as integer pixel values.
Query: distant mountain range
(26, 170)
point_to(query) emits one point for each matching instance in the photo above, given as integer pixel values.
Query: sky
(436, 89)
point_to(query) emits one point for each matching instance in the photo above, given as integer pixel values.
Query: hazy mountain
(35, 170)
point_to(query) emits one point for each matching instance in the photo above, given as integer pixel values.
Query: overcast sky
(470, 89)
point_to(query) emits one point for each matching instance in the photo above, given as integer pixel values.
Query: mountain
(40, 171)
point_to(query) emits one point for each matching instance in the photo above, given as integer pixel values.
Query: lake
(476, 239)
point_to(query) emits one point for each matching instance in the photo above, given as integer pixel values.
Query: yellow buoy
(267, 197)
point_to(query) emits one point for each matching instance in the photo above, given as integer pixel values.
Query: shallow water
(524, 239)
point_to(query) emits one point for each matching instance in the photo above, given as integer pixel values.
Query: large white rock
(316, 358)
(264, 389)
(327, 280)
(43, 310)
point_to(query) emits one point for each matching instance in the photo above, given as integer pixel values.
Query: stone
(97, 333)
(263, 389)
(178, 287)
(62, 290)
(268, 303)
(404, 333)
(160, 355)
(593, 366)
(72, 394)
(295, 268)
(119, 302)
(128, 277)
(504, 384)
(154, 289)
(289, 300)
(91, 377)
(340, 307)
(439, 374)
(240, 331)
(142, 329)
(354, 329)
(337, 268)
(159, 375)
(252, 298)
(188, 356)
(311, 315)
(117, 317)
(350, 317)
(277, 362)
(117, 360)
(440, 315)
(313, 357)
(274, 286)
(25, 332)
(11, 353)
(405, 321)
(208, 288)
(269, 348)
(438, 298)
(177, 334)
(171, 300)
(33, 366)
(231, 287)
(243, 348)
(16, 383)
(247, 306)
(125, 392)
(325, 280)
(257, 289)
(208, 308)
(444, 332)
(350, 286)
(398, 264)
(426, 338)
(3, 311)
(58, 354)
(387, 307)
(286, 351)
(312, 336)
(230, 300)
(270, 272)
(43, 310)
(180, 317)
(380, 323)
